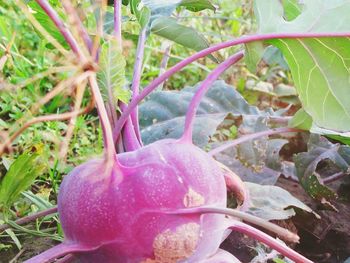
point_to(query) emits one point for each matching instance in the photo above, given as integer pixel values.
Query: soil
(325, 240)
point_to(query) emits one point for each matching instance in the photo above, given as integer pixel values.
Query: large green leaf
(19, 177)
(111, 74)
(320, 66)
(162, 115)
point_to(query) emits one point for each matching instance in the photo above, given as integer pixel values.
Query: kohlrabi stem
(270, 241)
(130, 141)
(203, 88)
(118, 20)
(282, 232)
(242, 40)
(252, 136)
(44, 4)
(60, 251)
(110, 152)
(135, 86)
(30, 218)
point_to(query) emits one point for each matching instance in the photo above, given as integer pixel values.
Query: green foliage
(318, 65)
(111, 75)
(320, 149)
(301, 120)
(163, 115)
(186, 36)
(142, 13)
(272, 202)
(197, 5)
(47, 23)
(19, 177)
(292, 9)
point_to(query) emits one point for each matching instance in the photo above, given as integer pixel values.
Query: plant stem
(60, 250)
(61, 27)
(252, 136)
(205, 85)
(242, 40)
(270, 241)
(135, 86)
(130, 141)
(110, 152)
(118, 20)
(334, 177)
(30, 218)
(280, 231)
(77, 23)
(164, 63)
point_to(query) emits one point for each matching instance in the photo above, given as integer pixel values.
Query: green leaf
(273, 56)
(319, 149)
(186, 36)
(301, 120)
(320, 66)
(272, 202)
(254, 53)
(263, 171)
(142, 12)
(111, 74)
(19, 177)
(338, 136)
(292, 9)
(197, 5)
(47, 23)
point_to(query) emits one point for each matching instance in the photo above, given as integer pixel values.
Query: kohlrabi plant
(167, 201)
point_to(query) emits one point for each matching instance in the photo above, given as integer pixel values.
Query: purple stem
(79, 24)
(251, 137)
(334, 177)
(164, 63)
(59, 251)
(130, 141)
(110, 152)
(242, 40)
(118, 20)
(284, 233)
(30, 218)
(135, 86)
(61, 26)
(270, 241)
(206, 84)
